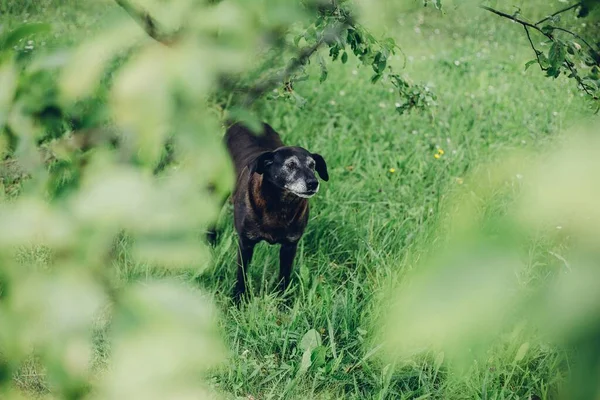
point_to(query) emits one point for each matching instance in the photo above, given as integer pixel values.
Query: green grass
(368, 224)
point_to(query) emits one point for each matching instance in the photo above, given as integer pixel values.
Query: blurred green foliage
(475, 286)
(90, 127)
(114, 143)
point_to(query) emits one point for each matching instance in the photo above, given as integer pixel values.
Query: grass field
(377, 213)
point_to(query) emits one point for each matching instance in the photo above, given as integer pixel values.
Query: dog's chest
(276, 227)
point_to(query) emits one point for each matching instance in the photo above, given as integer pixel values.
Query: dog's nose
(312, 184)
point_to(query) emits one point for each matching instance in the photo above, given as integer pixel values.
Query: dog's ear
(260, 163)
(321, 166)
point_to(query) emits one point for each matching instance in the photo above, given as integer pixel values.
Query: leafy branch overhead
(568, 51)
(333, 26)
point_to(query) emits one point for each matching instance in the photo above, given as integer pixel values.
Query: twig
(515, 19)
(302, 59)
(559, 12)
(580, 81)
(528, 25)
(147, 22)
(536, 51)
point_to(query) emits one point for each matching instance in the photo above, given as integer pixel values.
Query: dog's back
(244, 146)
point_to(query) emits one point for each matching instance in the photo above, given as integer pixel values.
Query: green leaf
(324, 71)
(318, 356)
(311, 340)
(334, 52)
(306, 361)
(300, 101)
(547, 29)
(379, 63)
(375, 78)
(12, 38)
(344, 58)
(522, 352)
(529, 64)
(556, 57)
(323, 76)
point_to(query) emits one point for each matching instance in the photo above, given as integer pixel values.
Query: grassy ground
(378, 209)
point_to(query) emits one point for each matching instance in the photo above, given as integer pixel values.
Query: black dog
(271, 195)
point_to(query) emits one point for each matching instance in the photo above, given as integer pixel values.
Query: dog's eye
(311, 164)
(291, 164)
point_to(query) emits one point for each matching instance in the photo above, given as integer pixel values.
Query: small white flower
(354, 72)
(382, 105)
(397, 105)
(417, 30)
(342, 93)
(555, 113)
(559, 227)
(415, 132)
(519, 176)
(332, 102)
(457, 63)
(437, 31)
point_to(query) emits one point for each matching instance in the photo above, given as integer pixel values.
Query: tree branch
(146, 22)
(536, 51)
(515, 19)
(575, 36)
(579, 80)
(559, 12)
(295, 63)
(528, 25)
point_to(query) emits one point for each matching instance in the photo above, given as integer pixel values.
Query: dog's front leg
(287, 253)
(245, 252)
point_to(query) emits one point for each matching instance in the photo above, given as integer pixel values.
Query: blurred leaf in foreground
(472, 292)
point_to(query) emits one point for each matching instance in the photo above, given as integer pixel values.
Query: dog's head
(293, 169)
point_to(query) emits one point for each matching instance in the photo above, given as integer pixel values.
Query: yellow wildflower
(392, 170)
